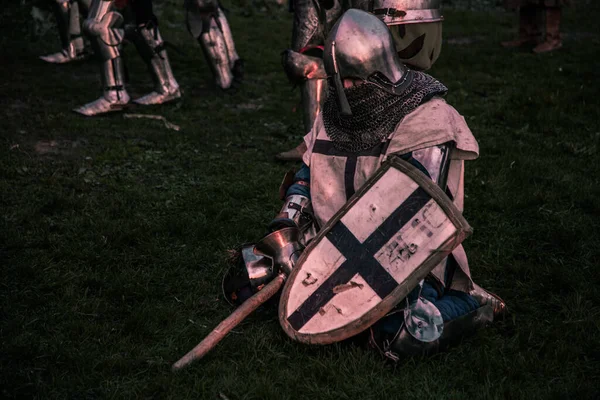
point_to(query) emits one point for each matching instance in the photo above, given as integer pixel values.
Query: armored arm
(433, 161)
(297, 209)
(256, 264)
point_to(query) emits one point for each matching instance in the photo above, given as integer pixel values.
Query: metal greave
(313, 93)
(214, 46)
(69, 29)
(113, 78)
(104, 28)
(228, 37)
(150, 45)
(63, 20)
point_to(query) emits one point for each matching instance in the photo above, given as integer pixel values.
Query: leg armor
(67, 19)
(552, 40)
(490, 299)
(312, 22)
(528, 29)
(150, 45)
(207, 23)
(431, 321)
(313, 94)
(405, 344)
(234, 58)
(305, 68)
(104, 27)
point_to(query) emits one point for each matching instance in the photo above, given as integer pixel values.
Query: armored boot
(73, 45)
(114, 97)
(528, 28)
(151, 47)
(553, 40)
(486, 298)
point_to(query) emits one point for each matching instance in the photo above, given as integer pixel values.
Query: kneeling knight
(377, 109)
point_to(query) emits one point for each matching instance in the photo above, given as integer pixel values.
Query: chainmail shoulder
(375, 112)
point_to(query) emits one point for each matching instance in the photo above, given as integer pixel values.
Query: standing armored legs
(208, 25)
(303, 63)
(69, 29)
(150, 45)
(531, 15)
(552, 40)
(105, 28)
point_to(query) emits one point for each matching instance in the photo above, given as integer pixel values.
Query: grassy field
(114, 231)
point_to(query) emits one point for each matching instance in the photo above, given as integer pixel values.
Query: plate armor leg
(312, 22)
(69, 29)
(215, 50)
(232, 55)
(405, 344)
(306, 69)
(314, 92)
(104, 27)
(308, 72)
(150, 45)
(208, 25)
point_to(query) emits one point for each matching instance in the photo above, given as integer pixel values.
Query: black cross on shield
(359, 258)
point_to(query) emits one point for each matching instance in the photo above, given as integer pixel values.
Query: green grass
(112, 241)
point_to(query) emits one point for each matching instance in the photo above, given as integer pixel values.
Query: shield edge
(463, 230)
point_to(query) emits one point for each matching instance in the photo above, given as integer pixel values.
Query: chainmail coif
(375, 112)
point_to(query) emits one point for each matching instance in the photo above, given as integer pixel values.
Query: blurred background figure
(303, 62)
(537, 18)
(69, 28)
(208, 24)
(416, 28)
(105, 28)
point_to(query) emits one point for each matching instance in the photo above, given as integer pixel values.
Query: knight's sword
(231, 322)
(283, 247)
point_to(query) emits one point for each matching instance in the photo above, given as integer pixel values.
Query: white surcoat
(336, 175)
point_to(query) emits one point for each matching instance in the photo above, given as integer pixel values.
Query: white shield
(370, 255)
